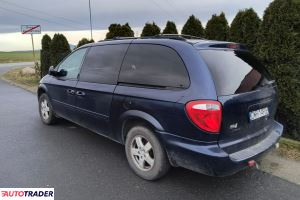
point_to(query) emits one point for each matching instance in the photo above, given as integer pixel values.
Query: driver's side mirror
(55, 73)
(52, 71)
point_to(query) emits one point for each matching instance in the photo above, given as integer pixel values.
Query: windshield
(235, 71)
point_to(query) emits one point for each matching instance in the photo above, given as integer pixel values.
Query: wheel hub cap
(45, 109)
(142, 153)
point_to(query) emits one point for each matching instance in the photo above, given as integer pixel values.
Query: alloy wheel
(142, 153)
(45, 109)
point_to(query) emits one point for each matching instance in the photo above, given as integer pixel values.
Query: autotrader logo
(26, 193)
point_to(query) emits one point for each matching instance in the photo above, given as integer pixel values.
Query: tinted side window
(102, 64)
(72, 64)
(153, 65)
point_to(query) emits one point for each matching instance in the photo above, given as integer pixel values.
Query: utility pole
(33, 52)
(36, 64)
(91, 19)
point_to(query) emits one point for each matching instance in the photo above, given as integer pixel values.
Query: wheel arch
(133, 117)
(41, 89)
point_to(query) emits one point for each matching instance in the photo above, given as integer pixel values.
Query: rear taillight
(206, 114)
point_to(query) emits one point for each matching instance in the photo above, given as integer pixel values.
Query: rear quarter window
(234, 71)
(153, 65)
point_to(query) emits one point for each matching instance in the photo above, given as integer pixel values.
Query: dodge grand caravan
(172, 100)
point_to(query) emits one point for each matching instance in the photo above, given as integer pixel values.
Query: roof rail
(118, 38)
(124, 38)
(178, 36)
(160, 36)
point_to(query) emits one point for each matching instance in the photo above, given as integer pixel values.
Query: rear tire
(46, 110)
(145, 155)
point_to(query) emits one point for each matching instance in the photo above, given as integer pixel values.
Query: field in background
(18, 56)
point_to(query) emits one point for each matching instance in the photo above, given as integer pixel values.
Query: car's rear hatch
(248, 97)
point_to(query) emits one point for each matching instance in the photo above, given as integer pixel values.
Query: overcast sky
(71, 17)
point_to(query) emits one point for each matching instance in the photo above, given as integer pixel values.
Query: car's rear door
(97, 82)
(62, 89)
(153, 78)
(247, 94)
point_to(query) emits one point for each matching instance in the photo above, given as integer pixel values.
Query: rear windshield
(235, 71)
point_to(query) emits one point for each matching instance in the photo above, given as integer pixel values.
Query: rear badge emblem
(233, 126)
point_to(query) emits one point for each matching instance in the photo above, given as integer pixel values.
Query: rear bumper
(210, 159)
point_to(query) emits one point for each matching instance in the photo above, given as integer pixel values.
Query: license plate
(256, 114)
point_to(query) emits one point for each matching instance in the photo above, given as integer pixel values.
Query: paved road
(83, 165)
(5, 66)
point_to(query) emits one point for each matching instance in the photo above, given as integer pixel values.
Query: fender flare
(136, 114)
(41, 87)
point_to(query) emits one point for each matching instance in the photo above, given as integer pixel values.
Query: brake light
(207, 114)
(232, 46)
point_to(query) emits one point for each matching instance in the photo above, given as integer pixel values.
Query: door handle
(80, 93)
(70, 91)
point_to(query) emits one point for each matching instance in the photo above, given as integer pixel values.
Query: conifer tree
(84, 41)
(244, 28)
(118, 30)
(193, 27)
(170, 28)
(150, 29)
(45, 54)
(59, 48)
(217, 28)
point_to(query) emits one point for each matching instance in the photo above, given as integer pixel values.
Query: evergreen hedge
(59, 48)
(244, 28)
(45, 55)
(278, 47)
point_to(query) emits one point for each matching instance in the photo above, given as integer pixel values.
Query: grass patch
(28, 82)
(18, 56)
(289, 149)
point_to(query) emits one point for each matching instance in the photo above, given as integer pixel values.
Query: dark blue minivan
(172, 100)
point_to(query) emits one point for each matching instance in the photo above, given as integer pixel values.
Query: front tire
(46, 111)
(145, 155)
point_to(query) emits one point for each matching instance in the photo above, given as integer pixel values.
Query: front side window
(72, 64)
(153, 65)
(102, 64)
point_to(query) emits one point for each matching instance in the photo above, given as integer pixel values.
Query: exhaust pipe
(253, 163)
